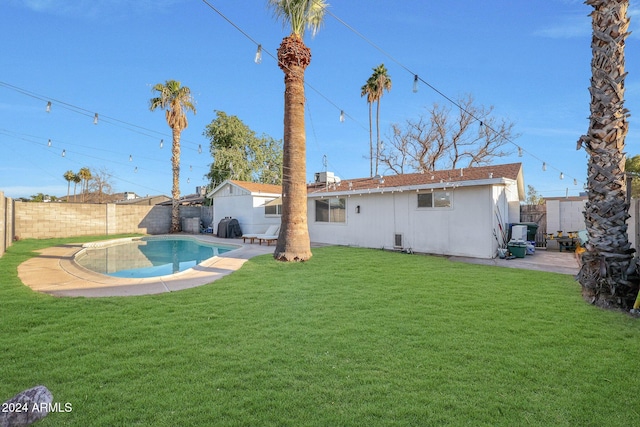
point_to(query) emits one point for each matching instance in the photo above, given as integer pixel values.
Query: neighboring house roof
(190, 199)
(254, 188)
(480, 175)
(148, 200)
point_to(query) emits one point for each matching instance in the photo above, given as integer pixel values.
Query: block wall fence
(30, 220)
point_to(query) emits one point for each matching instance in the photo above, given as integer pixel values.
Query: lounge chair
(269, 236)
(273, 229)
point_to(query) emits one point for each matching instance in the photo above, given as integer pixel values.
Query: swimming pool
(147, 256)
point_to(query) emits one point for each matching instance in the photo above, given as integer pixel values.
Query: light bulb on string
(130, 158)
(161, 143)
(190, 168)
(64, 153)
(415, 83)
(519, 151)
(544, 166)
(575, 181)
(258, 58)
(95, 119)
(188, 180)
(199, 148)
(561, 175)
(49, 143)
(135, 170)
(48, 106)
(341, 116)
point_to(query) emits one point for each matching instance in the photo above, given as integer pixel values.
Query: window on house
(331, 210)
(273, 210)
(436, 199)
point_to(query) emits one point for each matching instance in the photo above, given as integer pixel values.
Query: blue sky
(530, 60)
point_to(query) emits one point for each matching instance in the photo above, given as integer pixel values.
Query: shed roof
(257, 187)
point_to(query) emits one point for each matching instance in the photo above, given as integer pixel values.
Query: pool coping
(54, 272)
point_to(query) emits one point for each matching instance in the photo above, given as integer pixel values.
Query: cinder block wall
(49, 220)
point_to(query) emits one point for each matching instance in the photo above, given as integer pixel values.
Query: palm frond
(300, 14)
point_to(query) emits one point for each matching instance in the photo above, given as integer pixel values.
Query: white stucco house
(451, 212)
(246, 202)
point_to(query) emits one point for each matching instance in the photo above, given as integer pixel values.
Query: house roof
(480, 175)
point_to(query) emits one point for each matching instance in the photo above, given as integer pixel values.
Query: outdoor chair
(273, 229)
(269, 236)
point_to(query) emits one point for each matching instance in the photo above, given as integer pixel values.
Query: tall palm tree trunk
(377, 135)
(609, 274)
(175, 189)
(370, 141)
(293, 240)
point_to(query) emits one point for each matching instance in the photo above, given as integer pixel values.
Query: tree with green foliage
(178, 101)
(533, 197)
(293, 58)
(85, 176)
(69, 176)
(239, 154)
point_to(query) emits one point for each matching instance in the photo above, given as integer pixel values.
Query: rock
(26, 407)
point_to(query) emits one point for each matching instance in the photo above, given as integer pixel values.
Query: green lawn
(354, 337)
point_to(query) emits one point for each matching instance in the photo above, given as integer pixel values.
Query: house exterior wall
(464, 229)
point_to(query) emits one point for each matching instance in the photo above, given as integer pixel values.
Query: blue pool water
(149, 256)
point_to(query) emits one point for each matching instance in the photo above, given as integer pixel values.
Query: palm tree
(69, 175)
(76, 181)
(85, 175)
(376, 85)
(293, 57)
(608, 275)
(178, 101)
(369, 90)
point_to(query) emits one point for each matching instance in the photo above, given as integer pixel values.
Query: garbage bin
(518, 248)
(532, 229)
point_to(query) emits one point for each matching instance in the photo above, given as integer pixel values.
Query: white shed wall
(248, 209)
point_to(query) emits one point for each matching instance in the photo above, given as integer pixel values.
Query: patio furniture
(273, 229)
(269, 236)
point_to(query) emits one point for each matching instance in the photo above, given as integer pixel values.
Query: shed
(246, 202)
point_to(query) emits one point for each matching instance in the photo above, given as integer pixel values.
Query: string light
(49, 143)
(199, 148)
(135, 170)
(561, 175)
(341, 116)
(258, 57)
(130, 158)
(48, 106)
(161, 143)
(95, 119)
(415, 83)
(519, 151)
(575, 181)
(64, 153)
(544, 166)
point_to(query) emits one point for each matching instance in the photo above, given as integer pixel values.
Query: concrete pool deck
(54, 272)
